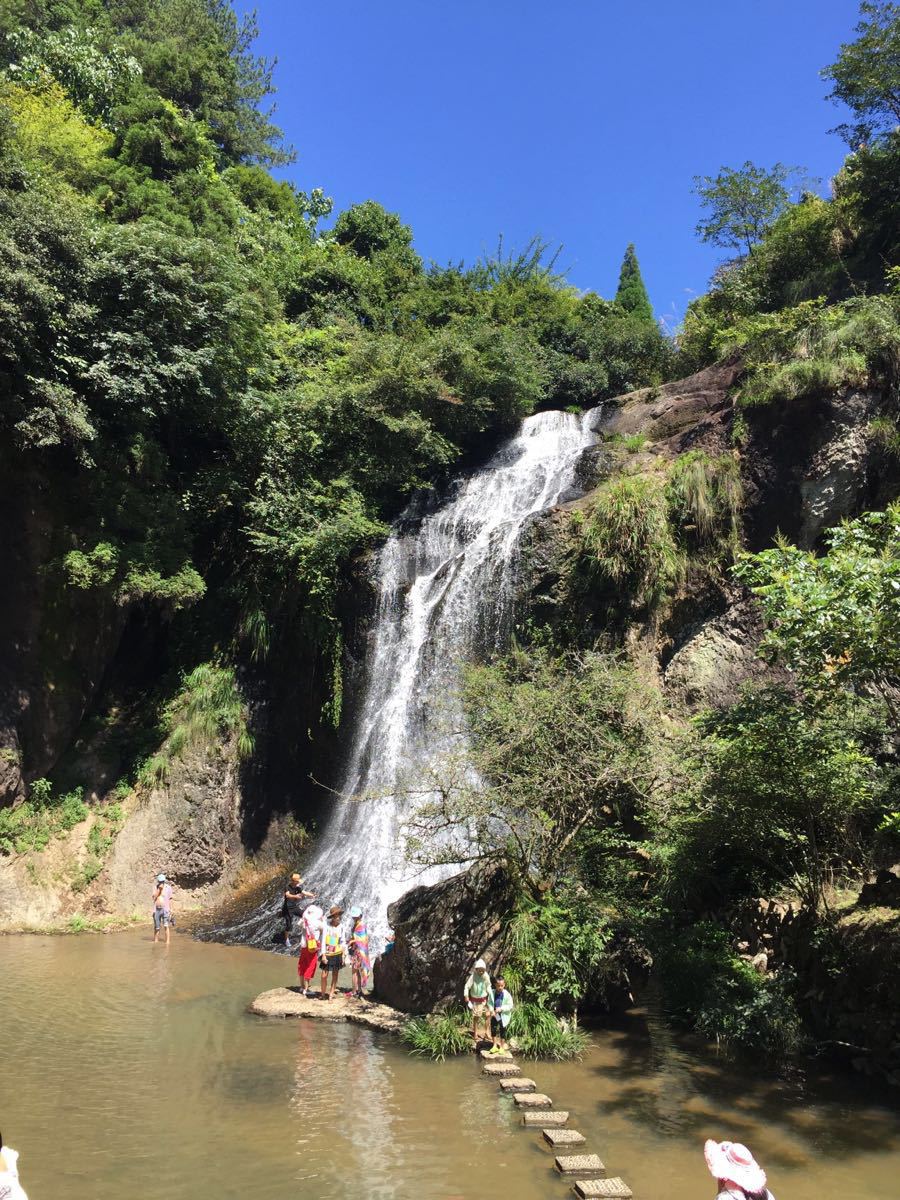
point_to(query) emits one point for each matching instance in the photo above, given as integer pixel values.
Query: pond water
(132, 1071)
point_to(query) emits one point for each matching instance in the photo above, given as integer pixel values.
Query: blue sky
(583, 121)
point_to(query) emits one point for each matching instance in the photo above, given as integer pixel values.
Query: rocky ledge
(290, 1002)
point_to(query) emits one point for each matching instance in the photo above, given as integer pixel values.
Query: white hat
(734, 1163)
(480, 964)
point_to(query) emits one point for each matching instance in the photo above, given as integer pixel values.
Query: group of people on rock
(327, 942)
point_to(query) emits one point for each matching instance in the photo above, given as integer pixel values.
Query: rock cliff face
(439, 933)
(804, 466)
(57, 642)
(189, 827)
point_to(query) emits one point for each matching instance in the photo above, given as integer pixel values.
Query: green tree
(741, 203)
(865, 76)
(368, 230)
(777, 784)
(560, 750)
(834, 618)
(631, 294)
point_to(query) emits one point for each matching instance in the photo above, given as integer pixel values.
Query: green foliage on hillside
(229, 402)
(815, 250)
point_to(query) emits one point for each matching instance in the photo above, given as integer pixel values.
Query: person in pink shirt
(162, 908)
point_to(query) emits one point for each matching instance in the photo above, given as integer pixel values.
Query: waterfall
(445, 585)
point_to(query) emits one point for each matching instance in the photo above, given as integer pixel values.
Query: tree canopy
(865, 76)
(741, 203)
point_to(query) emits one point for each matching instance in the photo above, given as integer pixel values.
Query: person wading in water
(295, 900)
(162, 907)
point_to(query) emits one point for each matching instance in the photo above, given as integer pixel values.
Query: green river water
(132, 1072)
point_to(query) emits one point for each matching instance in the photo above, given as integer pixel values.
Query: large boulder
(439, 932)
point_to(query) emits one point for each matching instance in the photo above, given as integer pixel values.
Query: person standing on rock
(479, 997)
(295, 900)
(162, 907)
(312, 927)
(334, 948)
(359, 952)
(501, 1014)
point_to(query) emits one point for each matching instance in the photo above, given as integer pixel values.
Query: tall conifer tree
(632, 295)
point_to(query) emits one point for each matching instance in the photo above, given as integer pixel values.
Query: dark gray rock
(439, 932)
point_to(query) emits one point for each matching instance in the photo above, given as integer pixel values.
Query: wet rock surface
(290, 1002)
(439, 932)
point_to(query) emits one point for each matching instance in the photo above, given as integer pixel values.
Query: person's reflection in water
(343, 1098)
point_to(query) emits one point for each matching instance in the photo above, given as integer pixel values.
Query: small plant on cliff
(705, 496)
(628, 540)
(208, 708)
(32, 825)
(439, 1035)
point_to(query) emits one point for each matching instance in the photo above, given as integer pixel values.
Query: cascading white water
(445, 587)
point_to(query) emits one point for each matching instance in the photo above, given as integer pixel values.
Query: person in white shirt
(10, 1188)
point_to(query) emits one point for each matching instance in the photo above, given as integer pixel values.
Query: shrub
(438, 1035)
(705, 496)
(629, 540)
(208, 707)
(709, 987)
(557, 952)
(32, 825)
(537, 1033)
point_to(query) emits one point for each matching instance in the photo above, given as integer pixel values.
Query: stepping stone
(579, 1164)
(517, 1084)
(506, 1056)
(532, 1100)
(564, 1137)
(544, 1120)
(589, 1189)
(502, 1070)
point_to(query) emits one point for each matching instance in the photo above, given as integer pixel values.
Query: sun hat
(335, 911)
(480, 964)
(160, 878)
(296, 877)
(355, 911)
(733, 1163)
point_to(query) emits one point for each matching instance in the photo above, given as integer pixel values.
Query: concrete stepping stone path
(544, 1120)
(563, 1137)
(532, 1100)
(579, 1164)
(594, 1189)
(501, 1069)
(518, 1084)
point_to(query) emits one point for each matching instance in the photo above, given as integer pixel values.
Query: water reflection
(132, 1070)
